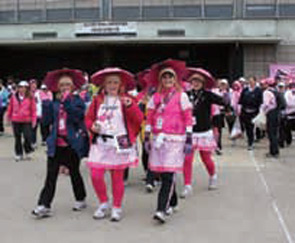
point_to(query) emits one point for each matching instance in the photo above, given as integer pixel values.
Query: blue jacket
(77, 136)
(4, 97)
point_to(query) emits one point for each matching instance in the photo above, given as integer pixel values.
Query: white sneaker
(149, 188)
(41, 212)
(187, 191)
(160, 217)
(213, 182)
(101, 212)
(79, 205)
(116, 214)
(18, 158)
(171, 210)
(28, 156)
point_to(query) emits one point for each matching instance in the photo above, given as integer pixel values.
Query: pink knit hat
(127, 78)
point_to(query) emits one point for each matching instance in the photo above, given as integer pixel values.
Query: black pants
(167, 195)
(35, 131)
(18, 130)
(272, 129)
(290, 126)
(68, 157)
(45, 130)
(2, 112)
(150, 175)
(246, 119)
(282, 131)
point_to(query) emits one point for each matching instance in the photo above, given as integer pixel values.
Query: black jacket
(251, 100)
(202, 101)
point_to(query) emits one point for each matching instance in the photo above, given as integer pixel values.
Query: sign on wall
(282, 72)
(106, 29)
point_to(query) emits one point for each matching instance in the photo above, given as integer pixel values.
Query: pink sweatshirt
(22, 110)
(175, 118)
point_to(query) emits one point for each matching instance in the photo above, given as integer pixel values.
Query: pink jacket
(235, 98)
(22, 111)
(45, 95)
(176, 117)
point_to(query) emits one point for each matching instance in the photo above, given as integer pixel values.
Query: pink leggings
(98, 181)
(188, 165)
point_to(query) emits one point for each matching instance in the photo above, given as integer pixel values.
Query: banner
(282, 72)
(106, 29)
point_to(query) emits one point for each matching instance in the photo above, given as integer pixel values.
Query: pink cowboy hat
(143, 78)
(270, 82)
(210, 80)
(51, 79)
(176, 67)
(126, 77)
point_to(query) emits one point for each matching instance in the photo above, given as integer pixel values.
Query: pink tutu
(204, 141)
(169, 157)
(107, 157)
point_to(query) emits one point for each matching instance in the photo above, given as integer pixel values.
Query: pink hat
(210, 80)
(143, 78)
(269, 81)
(175, 67)
(126, 77)
(52, 78)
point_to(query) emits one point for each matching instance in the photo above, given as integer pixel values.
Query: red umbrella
(178, 66)
(52, 78)
(127, 78)
(210, 80)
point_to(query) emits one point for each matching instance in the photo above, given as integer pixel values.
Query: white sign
(106, 28)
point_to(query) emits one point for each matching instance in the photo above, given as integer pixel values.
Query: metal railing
(38, 11)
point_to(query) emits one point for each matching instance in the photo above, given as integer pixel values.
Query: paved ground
(254, 204)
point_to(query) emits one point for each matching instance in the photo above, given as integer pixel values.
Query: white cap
(43, 86)
(281, 84)
(23, 83)
(242, 79)
(223, 81)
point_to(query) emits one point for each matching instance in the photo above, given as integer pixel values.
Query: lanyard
(165, 100)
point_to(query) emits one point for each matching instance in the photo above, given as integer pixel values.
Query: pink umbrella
(52, 78)
(178, 66)
(127, 78)
(210, 80)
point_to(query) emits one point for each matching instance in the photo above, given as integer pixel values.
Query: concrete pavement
(254, 203)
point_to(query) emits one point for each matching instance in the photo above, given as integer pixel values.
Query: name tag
(62, 124)
(194, 121)
(159, 124)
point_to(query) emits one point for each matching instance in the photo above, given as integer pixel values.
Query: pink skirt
(107, 157)
(169, 156)
(204, 141)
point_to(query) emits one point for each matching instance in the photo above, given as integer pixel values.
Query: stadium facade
(232, 38)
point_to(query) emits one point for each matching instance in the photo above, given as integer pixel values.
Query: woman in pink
(22, 113)
(114, 121)
(203, 139)
(169, 121)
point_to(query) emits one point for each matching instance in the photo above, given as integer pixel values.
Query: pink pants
(98, 181)
(188, 165)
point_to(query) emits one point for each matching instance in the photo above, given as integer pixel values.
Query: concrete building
(229, 37)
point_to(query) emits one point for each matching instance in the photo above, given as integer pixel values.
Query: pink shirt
(269, 101)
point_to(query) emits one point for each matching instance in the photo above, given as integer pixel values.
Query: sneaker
(116, 215)
(160, 217)
(218, 151)
(149, 188)
(101, 212)
(213, 182)
(250, 148)
(43, 143)
(18, 158)
(41, 212)
(187, 191)
(34, 146)
(28, 156)
(269, 155)
(79, 206)
(171, 210)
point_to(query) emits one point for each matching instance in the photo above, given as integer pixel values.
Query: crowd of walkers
(161, 116)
